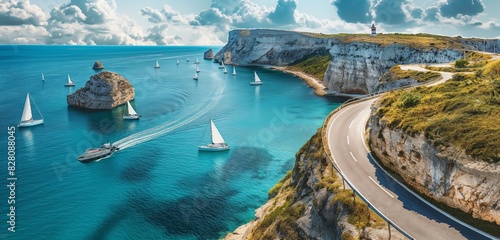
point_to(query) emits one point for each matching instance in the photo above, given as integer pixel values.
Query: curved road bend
(346, 142)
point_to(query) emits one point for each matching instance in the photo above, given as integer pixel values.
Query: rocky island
(98, 65)
(104, 90)
(209, 54)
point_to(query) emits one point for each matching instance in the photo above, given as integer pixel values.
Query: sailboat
(197, 62)
(70, 83)
(157, 65)
(234, 71)
(195, 77)
(257, 80)
(197, 69)
(177, 62)
(225, 70)
(221, 66)
(187, 59)
(132, 115)
(43, 77)
(217, 144)
(27, 117)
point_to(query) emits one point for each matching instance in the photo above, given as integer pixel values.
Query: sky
(207, 22)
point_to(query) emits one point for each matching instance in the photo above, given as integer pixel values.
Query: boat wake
(162, 129)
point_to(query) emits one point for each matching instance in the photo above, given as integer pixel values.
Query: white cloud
(92, 22)
(24, 34)
(19, 12)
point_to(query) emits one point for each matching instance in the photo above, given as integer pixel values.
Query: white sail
(197, 69)
(234, 71)
(225, 70)
(69, 80)
(27, 110)
(195, 77)
(216, 137)
(157, 65)
(257, 79)
(130, 109)
(196, 62)
(43, 77)
(177, 62)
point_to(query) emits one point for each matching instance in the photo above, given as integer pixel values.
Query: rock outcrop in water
(209, 54)
(98, 65)
(104, 90)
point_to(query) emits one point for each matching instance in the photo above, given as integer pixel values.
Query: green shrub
(461, 63)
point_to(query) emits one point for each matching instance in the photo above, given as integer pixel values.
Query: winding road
(346, 141)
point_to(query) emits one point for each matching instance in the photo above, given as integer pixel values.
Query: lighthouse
(374, 30)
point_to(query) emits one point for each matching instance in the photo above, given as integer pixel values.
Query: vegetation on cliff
(314, 182)
(420, 40)
(396, 73)
(462, 112)
(314, 65)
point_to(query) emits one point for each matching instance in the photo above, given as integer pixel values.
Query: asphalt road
(347, 145)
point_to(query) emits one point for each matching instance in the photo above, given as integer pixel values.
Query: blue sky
(207, 22)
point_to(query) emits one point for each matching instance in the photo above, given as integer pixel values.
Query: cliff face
(310, 203)
(104, 90)
(446, 175)
(357, 67)
(354, 67)
(269, 47)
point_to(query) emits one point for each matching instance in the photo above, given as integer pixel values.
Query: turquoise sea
(158, 186)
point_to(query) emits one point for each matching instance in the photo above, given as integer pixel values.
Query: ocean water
(158, 186)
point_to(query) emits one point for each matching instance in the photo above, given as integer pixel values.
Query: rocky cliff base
(310, 203)
(104, 90)
(445, 174)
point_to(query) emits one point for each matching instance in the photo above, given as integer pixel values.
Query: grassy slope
(462, 112)
(313, 65)
(396, 73)
(412, 40)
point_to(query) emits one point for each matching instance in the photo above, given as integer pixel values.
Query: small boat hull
(69, 85)
(131, 117)
(30, 123)
(93, 154)
(255, 83)
(212, 149)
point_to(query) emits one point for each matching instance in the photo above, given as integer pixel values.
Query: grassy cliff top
(462, 112)
(420, 40)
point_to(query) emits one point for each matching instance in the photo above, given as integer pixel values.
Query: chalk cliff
(447, 175)
(104, 90)
(355, 66)
(269, 47)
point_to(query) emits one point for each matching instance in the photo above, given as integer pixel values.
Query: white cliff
(357, 67)
(447, 175)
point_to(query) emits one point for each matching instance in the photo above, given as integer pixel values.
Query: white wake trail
(160, 130)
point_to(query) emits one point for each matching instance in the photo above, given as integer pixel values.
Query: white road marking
(353, 157)
(381, 187)
(348, 140)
